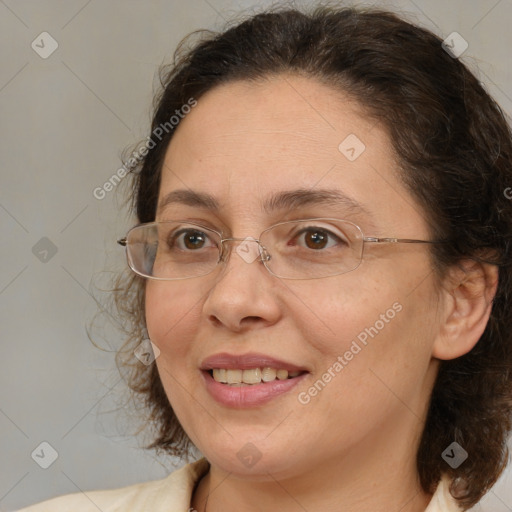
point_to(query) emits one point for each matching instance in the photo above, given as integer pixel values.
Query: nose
(244, 294)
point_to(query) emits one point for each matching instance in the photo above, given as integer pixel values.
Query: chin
(254, 458)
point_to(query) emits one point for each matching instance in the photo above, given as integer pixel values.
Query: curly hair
(454, 147)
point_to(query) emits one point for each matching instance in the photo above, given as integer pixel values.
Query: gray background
(64, 122)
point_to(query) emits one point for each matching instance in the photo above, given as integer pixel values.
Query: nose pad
(265, 256)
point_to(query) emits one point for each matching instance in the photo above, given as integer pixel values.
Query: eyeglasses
(298, 249)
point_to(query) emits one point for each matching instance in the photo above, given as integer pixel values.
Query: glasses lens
(172, 250)
(315, 248)
(305, 249)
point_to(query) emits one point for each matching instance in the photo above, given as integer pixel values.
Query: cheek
(332, 314)
(384, 321)
(375, 360)
(171, 317)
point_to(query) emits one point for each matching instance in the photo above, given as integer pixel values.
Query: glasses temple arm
(373, 239)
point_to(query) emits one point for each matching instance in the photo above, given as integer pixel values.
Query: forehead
(245, 141)
(284, 112)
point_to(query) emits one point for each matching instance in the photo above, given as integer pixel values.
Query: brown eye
(188, 239)
(316, 238)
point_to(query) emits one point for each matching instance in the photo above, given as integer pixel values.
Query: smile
(249, 377)
(240, 395)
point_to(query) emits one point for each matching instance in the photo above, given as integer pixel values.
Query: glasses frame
(264, 256)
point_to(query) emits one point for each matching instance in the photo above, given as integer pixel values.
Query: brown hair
(455, 150)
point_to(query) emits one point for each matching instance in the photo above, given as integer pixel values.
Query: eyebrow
(285, 200)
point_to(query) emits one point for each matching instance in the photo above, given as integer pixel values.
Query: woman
(322, 265)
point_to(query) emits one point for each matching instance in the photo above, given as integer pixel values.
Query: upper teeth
(252, 376)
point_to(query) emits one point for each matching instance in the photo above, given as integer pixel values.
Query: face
(362, 340)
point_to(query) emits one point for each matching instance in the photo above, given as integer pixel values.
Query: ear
(467, 294)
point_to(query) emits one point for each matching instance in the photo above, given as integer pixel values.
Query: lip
(254, 395)
(247, 361)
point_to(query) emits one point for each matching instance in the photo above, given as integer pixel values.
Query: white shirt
(174, 494)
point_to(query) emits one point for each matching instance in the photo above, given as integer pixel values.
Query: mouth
(238, 377)
(249, 380)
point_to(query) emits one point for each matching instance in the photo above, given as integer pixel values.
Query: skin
(355, 442)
